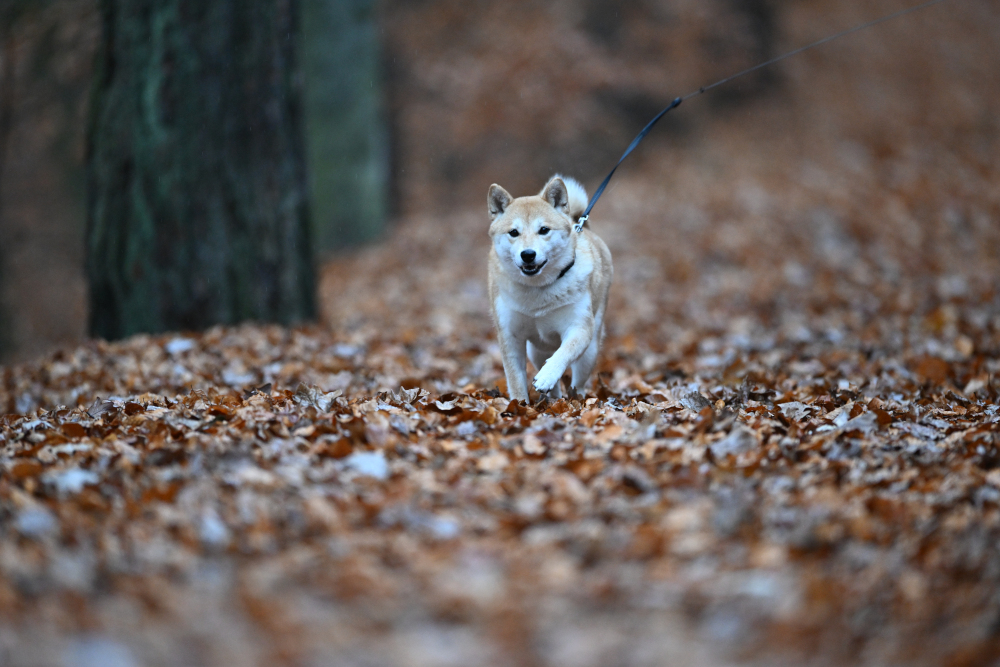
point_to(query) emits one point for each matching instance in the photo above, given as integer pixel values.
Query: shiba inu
(548, 286)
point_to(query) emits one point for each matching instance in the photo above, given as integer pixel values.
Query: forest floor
(791, 454)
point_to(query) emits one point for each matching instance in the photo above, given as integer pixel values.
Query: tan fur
(556, 322)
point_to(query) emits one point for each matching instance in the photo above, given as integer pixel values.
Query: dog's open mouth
(532, 269)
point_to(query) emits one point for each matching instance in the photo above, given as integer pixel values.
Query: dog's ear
(497, 201)
(556, 195)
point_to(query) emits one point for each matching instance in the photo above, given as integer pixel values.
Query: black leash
(704, 89)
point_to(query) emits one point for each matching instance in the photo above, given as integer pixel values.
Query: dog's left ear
(497, 201)
(556, 195)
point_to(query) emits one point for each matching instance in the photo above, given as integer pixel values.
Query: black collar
(566, 270)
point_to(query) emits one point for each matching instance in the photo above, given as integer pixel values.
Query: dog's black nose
(528, 256)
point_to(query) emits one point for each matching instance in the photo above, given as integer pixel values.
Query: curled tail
(577, 196)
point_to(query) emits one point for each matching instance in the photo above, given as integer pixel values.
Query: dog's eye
(514, 233)
(543, 231)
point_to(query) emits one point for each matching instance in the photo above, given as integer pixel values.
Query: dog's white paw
(546, 379)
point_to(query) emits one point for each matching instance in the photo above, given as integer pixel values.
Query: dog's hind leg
(538, 358)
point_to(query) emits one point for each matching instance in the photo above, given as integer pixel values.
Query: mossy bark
(197, 205)
(346, 126)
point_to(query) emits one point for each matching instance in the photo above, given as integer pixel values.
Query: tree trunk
(8, 75)
(345, 122)
(197, 211)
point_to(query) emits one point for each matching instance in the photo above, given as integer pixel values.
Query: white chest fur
(543, 315)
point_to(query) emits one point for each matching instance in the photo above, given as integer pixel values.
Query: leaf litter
(754, 503)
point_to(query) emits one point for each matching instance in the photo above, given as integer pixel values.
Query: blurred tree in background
(197, 195)
(8, 14)
(346, 131)
(45, 63)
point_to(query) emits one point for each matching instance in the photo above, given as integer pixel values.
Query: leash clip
(578, 225)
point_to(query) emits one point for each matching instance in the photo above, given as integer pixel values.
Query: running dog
(549, 279)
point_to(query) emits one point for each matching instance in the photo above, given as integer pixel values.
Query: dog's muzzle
(532, 269)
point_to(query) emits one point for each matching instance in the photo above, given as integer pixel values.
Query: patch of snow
(35, 522)
(372, 464)
(72, 480)
(179, 345)
(212, 531)
(343, 350)
(98, 652)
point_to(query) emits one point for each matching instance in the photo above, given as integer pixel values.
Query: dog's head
(533, 236)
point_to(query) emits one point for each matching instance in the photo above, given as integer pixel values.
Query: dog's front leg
(574, 344)
(515, 362)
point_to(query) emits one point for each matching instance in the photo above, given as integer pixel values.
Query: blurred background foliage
(414, 107)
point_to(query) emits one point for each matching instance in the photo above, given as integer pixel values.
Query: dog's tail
(577, 196)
